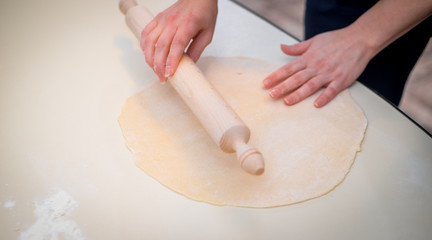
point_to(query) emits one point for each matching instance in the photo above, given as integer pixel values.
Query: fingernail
(266, 82)
(162, 80)
(273, 93)
(317, 104)
(291, 100)
(168, 70)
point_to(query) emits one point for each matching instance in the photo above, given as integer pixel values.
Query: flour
(9, 204)
(52, 219)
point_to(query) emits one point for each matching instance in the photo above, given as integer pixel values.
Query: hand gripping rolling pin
(220, 121)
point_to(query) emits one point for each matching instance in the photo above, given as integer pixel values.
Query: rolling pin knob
(125, 5)
(235, 139)
(250, 158)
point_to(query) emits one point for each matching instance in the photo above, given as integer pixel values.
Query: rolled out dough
(308, 151)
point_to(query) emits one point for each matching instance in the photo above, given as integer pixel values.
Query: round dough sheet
(307, 151)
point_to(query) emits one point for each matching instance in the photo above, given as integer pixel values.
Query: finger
(181, 40)
(296, 49)
(291, 83)
(146, 31)
(199, 43)
(283, 73)
(162, 48)
(328, 94)
(307, 89)
(149, 46)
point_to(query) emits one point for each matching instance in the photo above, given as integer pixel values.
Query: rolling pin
(224, 126)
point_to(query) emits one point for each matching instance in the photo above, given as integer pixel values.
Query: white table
(66, 68)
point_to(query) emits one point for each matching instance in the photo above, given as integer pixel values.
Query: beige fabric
(308, 151)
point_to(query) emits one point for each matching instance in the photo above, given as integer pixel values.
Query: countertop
(67, 67)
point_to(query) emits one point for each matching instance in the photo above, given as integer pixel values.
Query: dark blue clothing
(388, 71)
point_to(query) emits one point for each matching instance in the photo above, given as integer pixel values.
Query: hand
(331, 60)
(166, 37)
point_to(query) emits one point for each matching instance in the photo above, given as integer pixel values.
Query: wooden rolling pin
(220, 121)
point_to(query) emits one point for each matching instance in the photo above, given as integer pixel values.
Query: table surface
(66, 69)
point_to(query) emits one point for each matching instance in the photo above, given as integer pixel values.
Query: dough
(308, 151)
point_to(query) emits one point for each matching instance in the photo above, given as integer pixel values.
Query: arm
(166, 37)
(335, 59)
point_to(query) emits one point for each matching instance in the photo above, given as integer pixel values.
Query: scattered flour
(52, 221)
(9, 204)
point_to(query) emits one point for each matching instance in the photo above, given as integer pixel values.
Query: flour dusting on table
(9, 204)
(53, 219)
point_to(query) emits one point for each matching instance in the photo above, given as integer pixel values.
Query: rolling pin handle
(251, 160)
(125, 5)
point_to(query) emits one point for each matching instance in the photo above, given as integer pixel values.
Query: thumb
(296, 49)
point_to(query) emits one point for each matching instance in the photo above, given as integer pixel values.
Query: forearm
(388, 20)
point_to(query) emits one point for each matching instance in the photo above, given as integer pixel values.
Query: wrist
(364, 37)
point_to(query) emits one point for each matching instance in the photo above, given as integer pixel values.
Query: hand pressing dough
(308, 151)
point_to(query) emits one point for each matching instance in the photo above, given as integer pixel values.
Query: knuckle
(315, 83)
(284, 87)
(159, 17)
(173, 17)
(297, 79)
(331, 90)
(174, 56)
(180, 42)
(291, 68)
(150, 40)
(310, 86)
(321, 63)
(338, 74)
(192, 19)
(162, 43)
(286, 70)
(206, 40)
(172, 60)
(186, 31)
